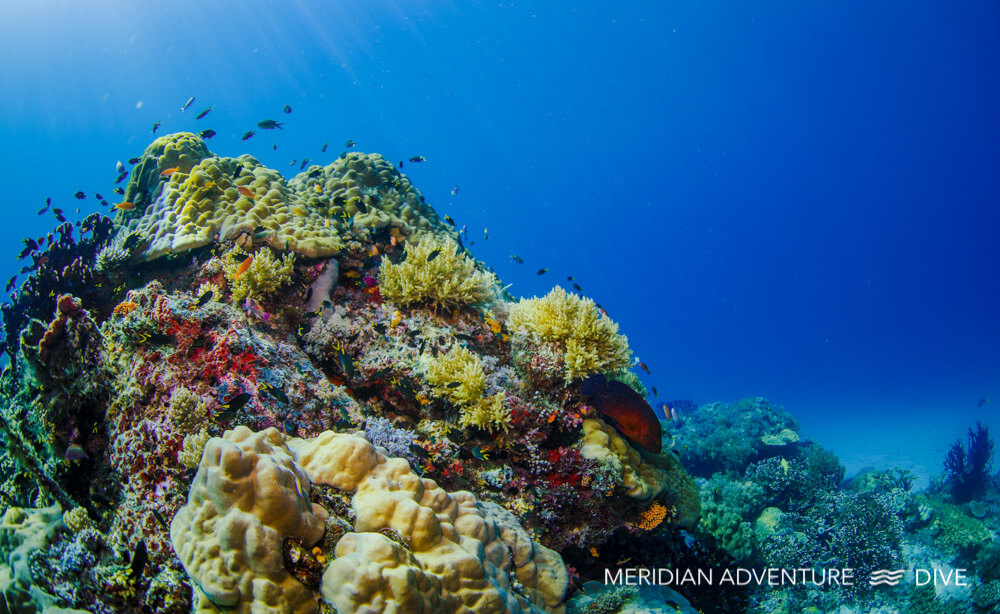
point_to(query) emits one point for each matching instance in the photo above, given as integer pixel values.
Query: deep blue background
(793, 200)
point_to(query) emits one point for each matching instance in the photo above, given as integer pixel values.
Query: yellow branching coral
(264, 275)
(490, 413)
(588, 341)
(435, 272)
(191, 449)
(457, 375)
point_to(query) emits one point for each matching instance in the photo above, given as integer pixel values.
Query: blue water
(781, 199)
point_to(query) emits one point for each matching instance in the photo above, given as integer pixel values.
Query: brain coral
(414, 548)
(218, 198)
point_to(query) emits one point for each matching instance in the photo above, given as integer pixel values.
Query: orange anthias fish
(125, 206)
(625, 410)
(245, 191)
(169, 171)
(243, 267)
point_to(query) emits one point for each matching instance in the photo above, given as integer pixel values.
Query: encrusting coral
(584, 340)
(435, 272)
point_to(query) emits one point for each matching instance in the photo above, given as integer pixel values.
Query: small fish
(239, 169)
(418, 159)
(207, 133)
(269, 124)
(237, 402)
(274, 146)
(187, 104)
(119, 191)
(247, 135)
(453, 384)
(454, 190)
(434, 254)
(245, 191)
(982, 402)
(302, 166)
(48, 203)
(292, 163)
(156, 126)
(125, 206)
(570, 278)
(276, 393)
(75, 452)
(644, 367)
(121, 177)
(517, 259)
(316, 172)
(80, 195)
(134, 160)
(203, 113)
(350, 143)
(169, 171)
(160, 519)
(400, 164)
(254, 309)
(59, 215)
(139, 559)
(655, 393)
(419, 451)
(359, 205)
(486, 234)
(204, 298)
(119, 167)
(298, 211)
(243, 267)
(98, 197)
(325, 145)
(542, 271)
(577, 288)
(286, 108)
(478, 453)
(448, 219)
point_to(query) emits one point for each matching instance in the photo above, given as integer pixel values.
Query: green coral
(987, 596)
(727, 507)
(587, 341)
(435, 272)
(264, 275)
(956, 533)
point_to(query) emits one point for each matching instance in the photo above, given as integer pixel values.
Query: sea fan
(968, 470)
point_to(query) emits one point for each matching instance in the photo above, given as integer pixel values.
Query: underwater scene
(520, 307)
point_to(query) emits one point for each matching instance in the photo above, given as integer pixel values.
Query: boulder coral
(411, 545)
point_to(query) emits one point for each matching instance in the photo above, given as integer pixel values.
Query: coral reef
(157, 358)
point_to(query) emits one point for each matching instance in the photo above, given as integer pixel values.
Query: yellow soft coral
(457, 375)
(264, 275)
(489, 413)
(589, 342)
(435, 272)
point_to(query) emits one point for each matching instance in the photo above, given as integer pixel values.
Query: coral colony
(245, 394)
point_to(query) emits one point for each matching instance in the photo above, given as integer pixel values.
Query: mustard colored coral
(587, 341)
(456, 375)
(263, 276)
(210, 198)
(435, 272)
(489, 413)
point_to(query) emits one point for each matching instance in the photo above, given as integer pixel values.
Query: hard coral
(456, 375)
(587, 341)
(437, 273)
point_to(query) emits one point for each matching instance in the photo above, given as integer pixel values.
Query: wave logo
(886, 576)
